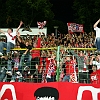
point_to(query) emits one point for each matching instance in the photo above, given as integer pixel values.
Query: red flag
(73, 27)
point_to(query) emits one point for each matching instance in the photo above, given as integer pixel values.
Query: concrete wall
(35, 31)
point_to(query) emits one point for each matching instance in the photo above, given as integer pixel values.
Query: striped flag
(44, 76)
(73, 76)
(41, 24)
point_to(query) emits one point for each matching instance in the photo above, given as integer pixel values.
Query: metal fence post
(58, 62)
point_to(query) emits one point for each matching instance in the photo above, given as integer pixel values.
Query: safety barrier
(58, 59)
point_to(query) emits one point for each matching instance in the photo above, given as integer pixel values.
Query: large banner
(73, 27)
(49, 91)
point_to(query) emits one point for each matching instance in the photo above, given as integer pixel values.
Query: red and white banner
(73, 27)
(49, 91)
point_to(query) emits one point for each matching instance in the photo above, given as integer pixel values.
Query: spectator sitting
(11, 37)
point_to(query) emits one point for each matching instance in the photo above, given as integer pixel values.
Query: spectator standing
(43, 66)
(82, 61)
(35, 58)
(51, 68)
(95, 75)
(97, 40)
(25, 55)
(69, 67)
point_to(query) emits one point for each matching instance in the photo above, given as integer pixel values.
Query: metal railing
(24, 75)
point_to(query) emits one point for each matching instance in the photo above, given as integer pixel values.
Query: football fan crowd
(40, 65)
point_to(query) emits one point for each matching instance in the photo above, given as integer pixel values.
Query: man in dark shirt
(25, 54)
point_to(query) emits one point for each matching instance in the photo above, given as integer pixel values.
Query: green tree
(30, 11)
(2, 13)
(86, 12)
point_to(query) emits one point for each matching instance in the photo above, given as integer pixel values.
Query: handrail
(53, 48)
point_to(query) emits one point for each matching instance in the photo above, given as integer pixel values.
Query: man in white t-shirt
(11, 37)
(95, 60)
(97, 40)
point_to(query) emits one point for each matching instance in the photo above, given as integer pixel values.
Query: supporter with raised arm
(11, 37)
(97, 40)
(82, 61)
(25, 54)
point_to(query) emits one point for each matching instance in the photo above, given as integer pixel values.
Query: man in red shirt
(69, 67)
(35, 59)
(95, 75)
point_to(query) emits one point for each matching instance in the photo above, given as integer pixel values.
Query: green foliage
(30, 11)
(2, 13)
(86, 12)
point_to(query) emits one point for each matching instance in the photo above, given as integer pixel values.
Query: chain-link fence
(76, 65)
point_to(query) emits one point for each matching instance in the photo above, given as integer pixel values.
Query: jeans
(28, 62)
(97, 44)
(2, 74)
(66, 78)
(9, 65)
(7, 45)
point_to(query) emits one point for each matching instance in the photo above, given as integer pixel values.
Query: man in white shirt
(97, 40)
(95, 60)
(11, 37)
